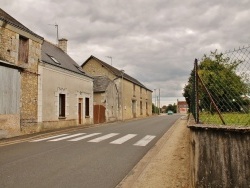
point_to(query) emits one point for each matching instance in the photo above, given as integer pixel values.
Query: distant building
(182, 107)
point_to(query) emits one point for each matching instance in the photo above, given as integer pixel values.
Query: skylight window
(54, 59)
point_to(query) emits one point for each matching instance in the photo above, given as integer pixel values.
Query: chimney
(62, 43)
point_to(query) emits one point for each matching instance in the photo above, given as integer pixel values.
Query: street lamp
(122, 73)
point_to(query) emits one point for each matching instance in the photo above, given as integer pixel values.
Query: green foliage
(220, 78)
(172, 108)
(235, 119)
(155, 109)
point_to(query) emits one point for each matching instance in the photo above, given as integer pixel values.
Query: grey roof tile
(101, 83)
(54, 55)
(117, 72)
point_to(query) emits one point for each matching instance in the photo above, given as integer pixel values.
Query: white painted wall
(53, 81)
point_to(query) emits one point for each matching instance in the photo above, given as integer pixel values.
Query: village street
(99, 156)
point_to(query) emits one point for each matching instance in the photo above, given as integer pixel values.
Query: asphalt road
(96, 157)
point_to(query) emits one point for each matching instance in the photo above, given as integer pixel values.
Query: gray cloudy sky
(155, 41)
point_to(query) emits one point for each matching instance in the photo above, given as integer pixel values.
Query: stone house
(20, 51)
(134, 99)
(106, 100)
(41, 86)
(65, 92)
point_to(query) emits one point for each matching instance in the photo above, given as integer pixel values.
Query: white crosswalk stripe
(47, 138)
(83, 137)
(144, 141)
(123, 139)
(66, 137)
(105, 137)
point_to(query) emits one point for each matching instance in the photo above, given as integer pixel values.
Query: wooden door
(80, 111)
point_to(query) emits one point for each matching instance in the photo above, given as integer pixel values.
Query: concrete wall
(54, 81)
(220, 156)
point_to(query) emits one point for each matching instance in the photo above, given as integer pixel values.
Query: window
(62, 101)
(54, 59)
(87, 107)
(23, 51)
(141, 92)
(141, 107)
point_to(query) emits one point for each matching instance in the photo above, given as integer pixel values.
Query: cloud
(154, 41)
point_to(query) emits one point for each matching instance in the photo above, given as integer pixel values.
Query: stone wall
(220, 156)
(9, 45)
(9, 49)
(11, 124)
(139, 95)
(49, 125)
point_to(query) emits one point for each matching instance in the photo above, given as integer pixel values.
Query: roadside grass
(232, 119)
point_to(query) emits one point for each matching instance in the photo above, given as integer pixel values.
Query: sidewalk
(166, 164)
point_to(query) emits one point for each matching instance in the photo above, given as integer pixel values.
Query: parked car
(170, 112)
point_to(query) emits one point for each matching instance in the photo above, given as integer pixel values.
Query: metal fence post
(196, 90)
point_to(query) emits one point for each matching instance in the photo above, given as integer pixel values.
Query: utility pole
(159, 100)
(122, 74)
(157, 105)
(155, 100)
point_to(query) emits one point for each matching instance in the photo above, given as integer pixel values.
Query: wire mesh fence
(219, 88)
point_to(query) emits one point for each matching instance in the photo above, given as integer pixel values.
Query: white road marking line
(144, 141)
(66, 137)
(47, 138)
(99, 139)
(83, 137)
(123, 139)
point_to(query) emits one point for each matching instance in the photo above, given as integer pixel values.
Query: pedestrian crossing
(114, 138)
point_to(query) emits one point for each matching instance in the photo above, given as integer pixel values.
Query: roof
(54, 55)
(10, 65)
(182, 102)
(101, 83)
(116, 72)
(5, 17)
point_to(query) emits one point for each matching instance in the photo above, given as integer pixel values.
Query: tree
(220, 78)
(155, 109)
(172, 108)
